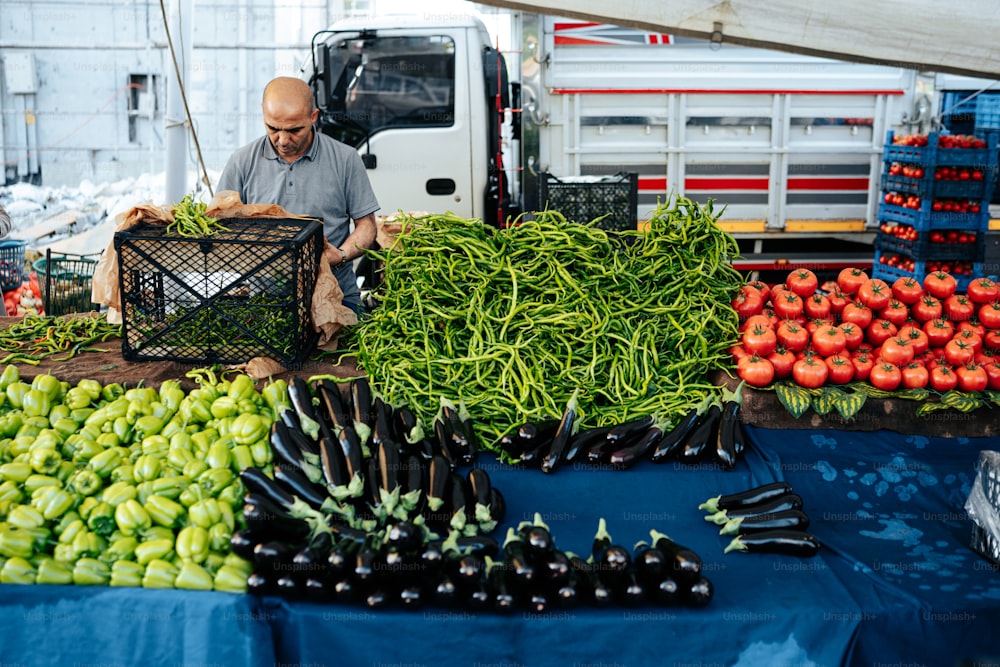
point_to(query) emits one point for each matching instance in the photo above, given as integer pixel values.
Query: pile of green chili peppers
(512, 322)
(106, 485)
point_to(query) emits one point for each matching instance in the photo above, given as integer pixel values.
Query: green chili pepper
(126, 573)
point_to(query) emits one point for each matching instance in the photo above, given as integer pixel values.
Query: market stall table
(895, 582)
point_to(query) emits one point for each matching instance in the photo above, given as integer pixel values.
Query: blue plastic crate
(987, 112)
(931, 156)
(924, 219)
(922, 248)
(11, 264)
(930, 187)
(891, 273)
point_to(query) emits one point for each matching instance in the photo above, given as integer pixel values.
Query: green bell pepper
(218, 455)
(52, 501)
(83, 449)
(171, 394)
(15, 393)
(16, 542)
(127, 573)
(229, 579)
(24, 517)
(163, 511)
(191, 494)
(91, 572)
(106, 461)
(233, 495)
(155, 444)
(87, 545)
(10, 375)
(85, 482)
(224, 406)
(149, 550)
(205, 513)
(77, 398)
(203, 439)
(146, 468)
(49, 385)
(93, 388)
(65, 521)
(159, 574)
(131, 518)
(64, 426)
(219, 537)
(70, 531)
(158, 533)
(147, 425)
(192, 469)
(52, 571)
(192, 543)
(45, 461)
(10, 492)
(178, 457)
(275, 394)
(214, 480)
(36, 403)
(36, 481)
(17, 571)
(123, 473)
(16, 471)
(112, 391)
(121, 549)
(241, 457)
(261, 452)
(193, 577)
(249, 428)
(117, 493)
(122, 428)
(195, 410)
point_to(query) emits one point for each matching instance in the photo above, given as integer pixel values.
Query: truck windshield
(385, 82)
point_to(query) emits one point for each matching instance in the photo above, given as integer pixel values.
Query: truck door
(402, 100)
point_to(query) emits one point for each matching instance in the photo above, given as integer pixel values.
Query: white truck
(445, 120)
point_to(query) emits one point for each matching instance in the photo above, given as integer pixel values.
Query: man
(308, 173)
(4, 222)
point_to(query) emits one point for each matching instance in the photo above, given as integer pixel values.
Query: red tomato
(787, 305)
(983, 290)
(738, 352)
(939, 331)
(972, 377)
(792, 335)
(760, 340)
(810, 372)
(817, 306)
(991, 339)
(841, 370)
(958, 353)
(992, 375)
(850, 279)
(829, 340)
(970, 325)
(838, 300)
(907, 289)
(897, 351)
(971, 338)
(942, 378)
(854, 335)
(958, 307)
(914, 376)
(880, 330)
(926, 308)
(862, 366)
(917, 338)
(782, 361)
(857, 313)
(763, 288)
(940, 284)
(755, 371)
(748, 301)
(989, 315)
(874, 293)
(758, 320)
(802, 281)
(896, 312)
(885, 376)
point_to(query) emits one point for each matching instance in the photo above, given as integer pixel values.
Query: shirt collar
(271, 154)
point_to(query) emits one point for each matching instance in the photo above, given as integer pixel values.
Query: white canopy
(958, 37)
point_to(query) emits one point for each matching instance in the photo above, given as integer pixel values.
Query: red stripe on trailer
(843, 183)
(725, 183)
(563, 25)
(650, 183)
(565, 40)
(717, 91)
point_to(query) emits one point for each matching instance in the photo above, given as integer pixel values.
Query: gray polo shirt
(329, 183)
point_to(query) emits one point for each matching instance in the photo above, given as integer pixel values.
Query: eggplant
(403, 536)
(332, 463)
(273, 557)
(361, 401)
(725, 443)
(521, 570)
(535, 455)
(673, 440)
(290, 419)
(778, 541)
(560, 439)
(537, 602)
(382, 426)
(345, 590)
(666, 592)
(537, 537)
(611, 561)
(457, 495)
(480, 486)
(700, 593)
(316, 589)
(753, 496)
(437, 485)
(628, 456)
(788, 501)
(703, 437)
(683, 564)
(340, 560)
(301, 399)
(414, 477)
(404, 421)
(650, 564)
(368, 563)
(310, 562)
(256, 482)
(445, 443)
(288, 450)
(259, 583)
(461, 441)
(481, 545)
(372, 483)
(242, 543)
(376, 598)
(588, 585)
(351, 446)
(387, 456)
(556, 570)
(412, 596)
(267, 520)
(631, 592)
(496, 576)
(789, 519)
(446, 593)
(581, 441)
(332, 401)
(622, 433)
(467, 571)
(566, 597)
(470, 455)
(498, 505)
(479, 597)
(297, 483)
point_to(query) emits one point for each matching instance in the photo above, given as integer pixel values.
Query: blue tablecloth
(895, 583)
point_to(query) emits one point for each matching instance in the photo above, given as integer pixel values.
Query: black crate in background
(67, 282)
(584, 199)
(224, 298)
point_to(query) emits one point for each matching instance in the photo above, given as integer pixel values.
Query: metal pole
(181, 26)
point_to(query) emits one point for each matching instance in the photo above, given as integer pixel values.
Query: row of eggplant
(764, 519)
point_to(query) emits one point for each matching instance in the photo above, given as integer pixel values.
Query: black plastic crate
(224, 298)
(67, 282)
(614, 200)
(12, 264)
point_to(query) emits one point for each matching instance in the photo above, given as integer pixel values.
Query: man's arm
(354, 246)
(5, 223)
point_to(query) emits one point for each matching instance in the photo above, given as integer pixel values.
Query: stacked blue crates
(976, 192)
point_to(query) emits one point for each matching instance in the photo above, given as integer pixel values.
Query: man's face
(289, 128)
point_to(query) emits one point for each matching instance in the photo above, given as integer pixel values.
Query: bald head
(289, 115)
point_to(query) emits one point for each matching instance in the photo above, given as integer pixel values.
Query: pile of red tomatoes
(904, 335)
